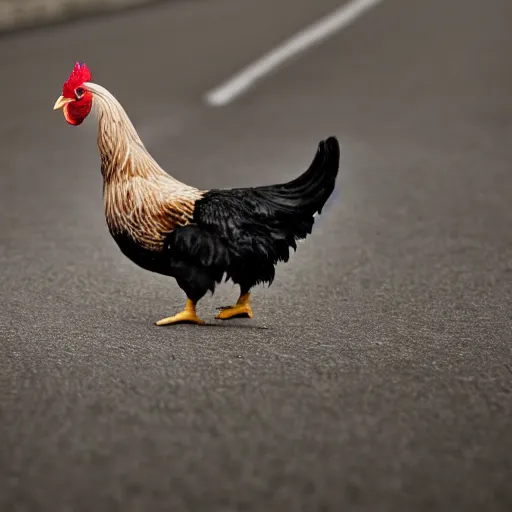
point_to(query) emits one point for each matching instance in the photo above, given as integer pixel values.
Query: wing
(287, 208)
(248, 230)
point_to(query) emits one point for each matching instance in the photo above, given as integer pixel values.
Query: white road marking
(337, 20)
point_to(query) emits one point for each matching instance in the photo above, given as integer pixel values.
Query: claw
(188, 315)
(235, 311)
(241, 309)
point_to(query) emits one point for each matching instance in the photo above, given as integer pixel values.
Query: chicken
(196, 236)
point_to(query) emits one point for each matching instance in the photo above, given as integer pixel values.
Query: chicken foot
(188, 315)
(242, 308)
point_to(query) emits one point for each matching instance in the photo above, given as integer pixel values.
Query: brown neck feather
(122, 152)
(141, 199)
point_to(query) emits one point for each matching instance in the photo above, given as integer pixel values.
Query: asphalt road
(377, 372)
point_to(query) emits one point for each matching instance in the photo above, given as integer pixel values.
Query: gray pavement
(16, 15)
(377, 372)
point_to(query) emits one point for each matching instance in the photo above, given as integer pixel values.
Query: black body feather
(242, 233)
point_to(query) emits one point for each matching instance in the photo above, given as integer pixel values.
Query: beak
(61, 102)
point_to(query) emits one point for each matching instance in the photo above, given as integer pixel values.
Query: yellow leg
(188, 315)
(242, 308)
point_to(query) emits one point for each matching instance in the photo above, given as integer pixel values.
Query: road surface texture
(377, 372)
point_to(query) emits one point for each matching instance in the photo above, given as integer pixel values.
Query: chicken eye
(79, 92)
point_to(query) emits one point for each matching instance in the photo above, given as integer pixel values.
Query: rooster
(196, 236)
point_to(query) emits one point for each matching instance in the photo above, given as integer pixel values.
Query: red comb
(78, 76)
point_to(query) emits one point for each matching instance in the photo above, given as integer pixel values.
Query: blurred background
(18, 14)
(377, 372)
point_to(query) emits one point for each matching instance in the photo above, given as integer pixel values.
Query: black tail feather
(325, 162)
(308, 193)
(245, 232)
